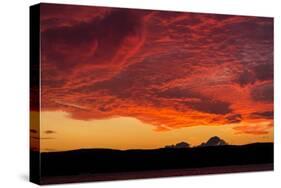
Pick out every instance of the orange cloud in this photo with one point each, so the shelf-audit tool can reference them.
(168, 69)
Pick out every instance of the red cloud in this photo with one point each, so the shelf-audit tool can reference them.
(168, 69)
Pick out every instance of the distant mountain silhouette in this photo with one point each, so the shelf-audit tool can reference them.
(179, 145)
(214, 141)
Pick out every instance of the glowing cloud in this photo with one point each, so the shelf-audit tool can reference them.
(167, 69)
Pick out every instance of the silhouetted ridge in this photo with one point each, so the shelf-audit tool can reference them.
(94, 163)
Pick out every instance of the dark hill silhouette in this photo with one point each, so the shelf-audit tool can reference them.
(107, 164)
(214, 141)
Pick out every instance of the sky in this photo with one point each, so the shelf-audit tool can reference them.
(130, 78)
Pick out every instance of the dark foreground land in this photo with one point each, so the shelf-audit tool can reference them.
(107, 164)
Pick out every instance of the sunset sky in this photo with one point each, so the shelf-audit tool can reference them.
(128, 78)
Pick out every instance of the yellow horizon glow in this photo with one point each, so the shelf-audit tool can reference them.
(128, 133)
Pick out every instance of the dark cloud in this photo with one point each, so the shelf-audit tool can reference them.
(177, 93)
(264, 115)
(107, 34)
(212, 106)
(196, 101)
(53, 16)
(264, 71)
(263, 92)
(234, 118)
(246, 77)
(260, 72)
(253, 29)
(49, 132)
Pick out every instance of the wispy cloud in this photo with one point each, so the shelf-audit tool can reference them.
(170, 70)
